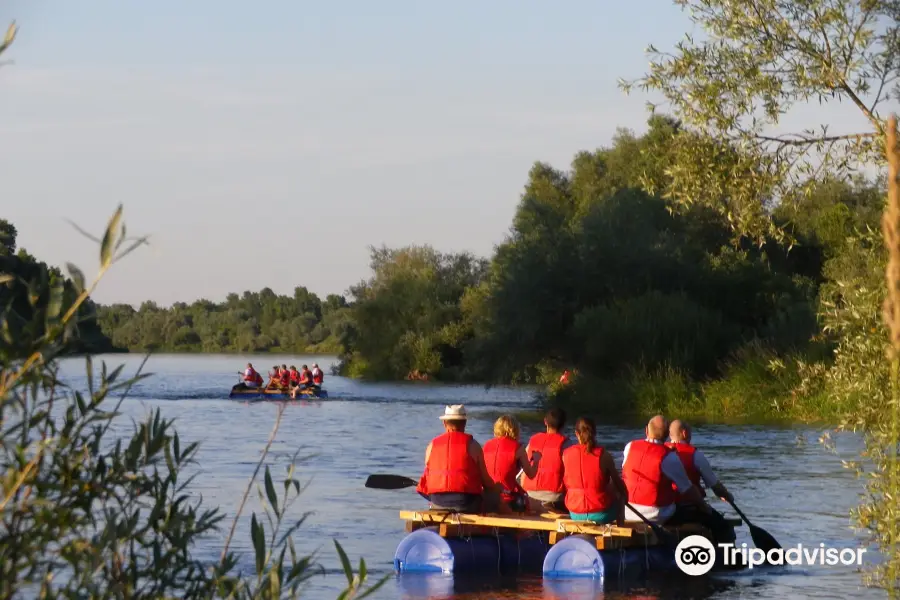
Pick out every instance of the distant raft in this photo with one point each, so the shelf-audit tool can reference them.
(244, 393)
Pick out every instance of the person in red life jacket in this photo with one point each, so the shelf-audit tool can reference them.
(698, 471)
(695, 463)
(274, 377)
(455, 476)
(504, 457)
(594, 490)
(304, 381)
(293, 376)
(318, 377)
(655, 477)
(545, 490)
(284, 377)
(251, 378)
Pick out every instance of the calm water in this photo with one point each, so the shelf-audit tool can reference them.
(782, 478)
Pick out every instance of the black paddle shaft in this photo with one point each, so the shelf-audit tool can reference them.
(661, 534)
(389, 482)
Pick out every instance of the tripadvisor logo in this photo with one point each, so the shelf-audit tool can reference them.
(696, 555)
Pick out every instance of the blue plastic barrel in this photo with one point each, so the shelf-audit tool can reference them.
(425, 551)
(577, 556)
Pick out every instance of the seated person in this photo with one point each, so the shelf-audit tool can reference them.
(251, 378)
(545, 490)
(274, 377)
(698, 471)
(455, 476)
(294, 376)
(588, 471)
(655, 476)
(504, 456)
(318, 377)
(303, 382)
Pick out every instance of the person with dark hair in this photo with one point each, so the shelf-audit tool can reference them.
(545, 489)
(588, 470)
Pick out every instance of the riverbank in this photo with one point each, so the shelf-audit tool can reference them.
(756, 391)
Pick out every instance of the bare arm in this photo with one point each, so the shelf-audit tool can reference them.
(528, 467)
(427, 452)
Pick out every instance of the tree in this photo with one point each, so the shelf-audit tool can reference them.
(8, 235)
(761, 59)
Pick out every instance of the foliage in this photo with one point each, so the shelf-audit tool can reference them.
(864, 381)
(253, 322)
(756, 61)
(406, 317)
(32, 294)
(86, 514)
(616, 280)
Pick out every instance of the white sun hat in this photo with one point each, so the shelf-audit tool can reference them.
(456, 412)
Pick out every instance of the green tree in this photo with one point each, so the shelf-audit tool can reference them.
(756, 61)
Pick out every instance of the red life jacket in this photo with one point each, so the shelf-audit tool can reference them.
(502, 466)
(295, 376)
(686, 455)
(642, 472)
(255, 377)
(450, 468)
(549, 477)
(304, 377)
(317, 377)
(284, 377)
(585, 480)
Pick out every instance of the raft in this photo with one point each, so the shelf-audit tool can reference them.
(274, 394)
(550, 543)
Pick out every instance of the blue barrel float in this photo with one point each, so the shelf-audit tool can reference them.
(425, 551)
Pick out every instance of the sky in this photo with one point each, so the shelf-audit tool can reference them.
(269, 144)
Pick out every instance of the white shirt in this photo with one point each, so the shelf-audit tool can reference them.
(316, 371)
(672, 468)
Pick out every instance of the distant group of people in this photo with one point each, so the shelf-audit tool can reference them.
(661, 480)
(286, 379)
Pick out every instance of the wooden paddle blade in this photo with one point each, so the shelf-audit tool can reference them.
(762, 539)
(389, 482)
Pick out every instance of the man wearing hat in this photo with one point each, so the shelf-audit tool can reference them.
(455, 476)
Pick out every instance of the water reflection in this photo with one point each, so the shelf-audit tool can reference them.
(416, 586)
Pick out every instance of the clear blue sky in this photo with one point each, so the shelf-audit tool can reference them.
(268, 144)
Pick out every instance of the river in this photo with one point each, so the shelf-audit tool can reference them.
(781, 477)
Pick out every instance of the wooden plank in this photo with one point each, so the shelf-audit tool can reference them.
(533, 523)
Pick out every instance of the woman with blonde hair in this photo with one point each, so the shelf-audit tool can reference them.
(588, 470)
(504, 456)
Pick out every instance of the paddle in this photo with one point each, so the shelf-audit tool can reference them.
(661, 534)
(762, 538)
(389, 482)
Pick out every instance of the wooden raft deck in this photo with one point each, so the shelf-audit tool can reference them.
(559, 526)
